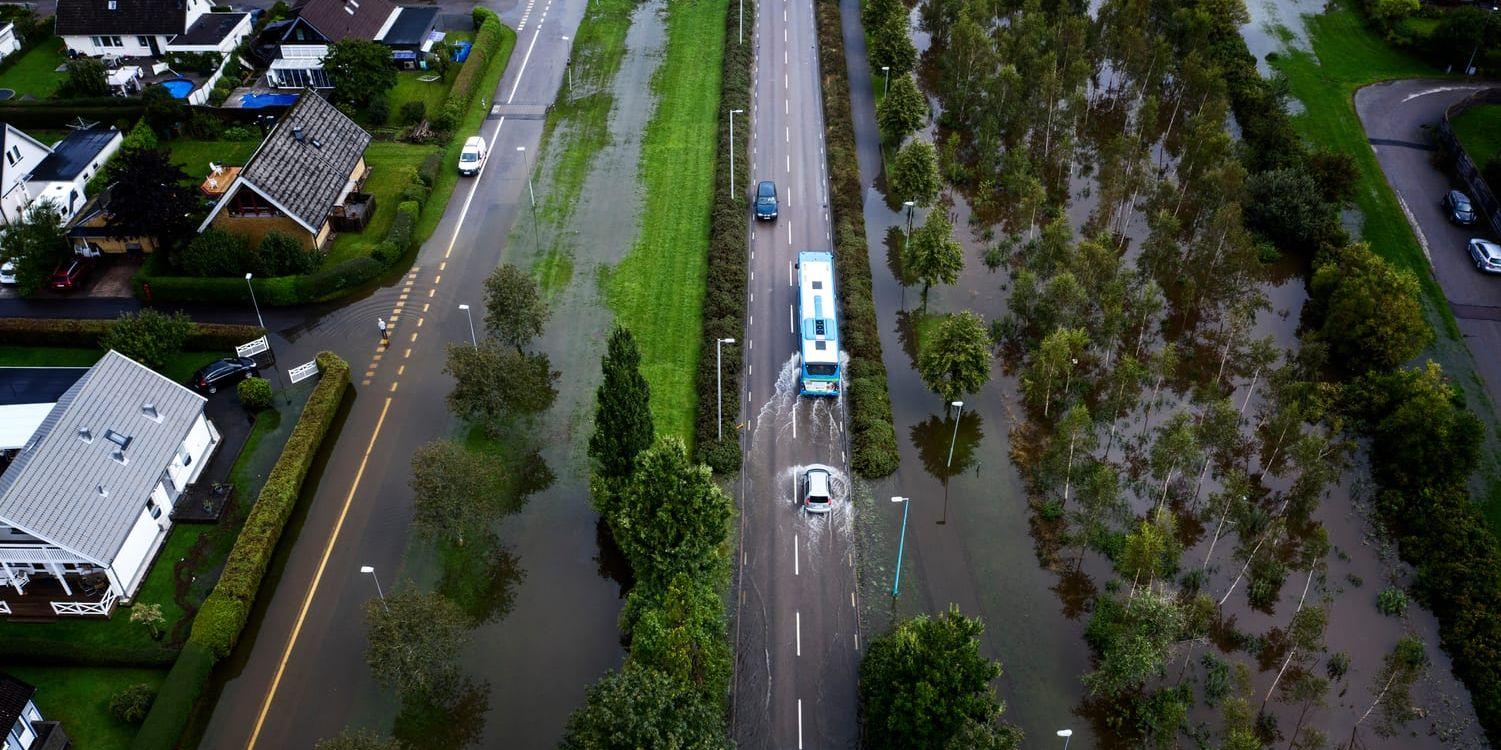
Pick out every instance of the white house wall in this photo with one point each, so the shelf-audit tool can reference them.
(130, 564)
(131, 45)
(198, 446)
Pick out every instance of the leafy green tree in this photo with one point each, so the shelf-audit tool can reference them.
(957, 360)
(680, 631)
(891, 40)
(131, 704)
(933, 256)
(1132, 640)
(623, 424)
(1422, 434)
(36, 244)
(514, 309)
(360, 71)
(139, 138)
(414, 642)
(1372, 318)
(455, 492)
(642, 708)
(280, 254)
(925, 682)
(1391, 12)
(903, 111)
(150, 197)
(494, 385)
(148, 337)
(164, 112)
(913, 173)
(83, 78)
(1287, 206)
(358, 739)
(254, 393)
(670, 517)
(215, 252)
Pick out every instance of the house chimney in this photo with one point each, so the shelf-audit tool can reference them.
(150, 411)
(297, 132)
(85, 435)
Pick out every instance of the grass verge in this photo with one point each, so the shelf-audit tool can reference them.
(1479, 129)
(79, 698)
(657, 290)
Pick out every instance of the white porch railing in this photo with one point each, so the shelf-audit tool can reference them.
(101, 607)
(4, 607)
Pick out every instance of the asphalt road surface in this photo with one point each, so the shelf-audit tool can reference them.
(1398, 118)
(304, 677)
(796, 627)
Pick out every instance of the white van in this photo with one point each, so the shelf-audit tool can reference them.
(473, 156)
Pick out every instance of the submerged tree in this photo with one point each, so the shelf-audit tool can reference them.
(495, 385)
(455, 492)
(913, 173)
(957, 359)
(933, 256)
(640, 707)
(623, 424)
(414, 642)
(514, 309)
(903, 111)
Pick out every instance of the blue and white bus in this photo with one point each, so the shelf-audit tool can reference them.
(818, 306)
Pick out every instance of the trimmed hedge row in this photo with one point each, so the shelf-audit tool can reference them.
(486, 43)
(872, 437)
(49, 331)
(725, 289)
(174, 702)
(223, 614)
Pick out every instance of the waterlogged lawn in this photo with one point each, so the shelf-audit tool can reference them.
(657, 290)
(1346, 55)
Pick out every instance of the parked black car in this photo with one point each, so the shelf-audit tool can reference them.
(766, 200)
(222, 373)
(1458, 208)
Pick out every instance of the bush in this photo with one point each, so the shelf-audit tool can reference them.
(378, 110)
(215, 253)
(1370, 313)
(255, 394)
(872, 437)
(428, 172)
(173, 706)
(1392, 601)
(724, 293)
(131, 703)
(413, 112)
(49, 331)
(281, 254)
(240, 133)
(148, 337)
(487, 43)
(337, 278)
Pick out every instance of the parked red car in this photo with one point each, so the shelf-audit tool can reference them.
(70, 274)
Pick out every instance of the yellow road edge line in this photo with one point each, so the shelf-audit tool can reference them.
(307, 601)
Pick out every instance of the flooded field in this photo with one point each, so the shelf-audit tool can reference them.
(1197, 485)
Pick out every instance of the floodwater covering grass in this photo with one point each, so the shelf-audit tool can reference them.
(1345, 56)
(657, 290)
(1479, 129)
(78, 697)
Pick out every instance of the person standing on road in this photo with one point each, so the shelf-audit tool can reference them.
(385, 334)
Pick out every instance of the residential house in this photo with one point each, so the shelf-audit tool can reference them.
(213, 32)
(295, 48)
(85, 506)
(89, 232)
(24, 725)
(27, 395)
(304, 177)
(34, 171)
(125, 28)
(9, 41)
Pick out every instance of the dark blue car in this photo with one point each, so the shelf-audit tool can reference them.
(766, 200)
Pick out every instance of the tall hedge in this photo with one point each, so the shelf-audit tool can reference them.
(873, 451)
(486, 44)
(223, 614)
(729, 242)
(174, 703)
(49, 331)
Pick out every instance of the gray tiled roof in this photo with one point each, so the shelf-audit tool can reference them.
(305, 161)
(52, 488)
(84, 17)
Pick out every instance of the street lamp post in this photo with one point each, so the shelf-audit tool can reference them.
(286, 391)
(470, 315)
(568, 66)
(532, 194)
(733, 112)
(1065, 734)
(901, 544)
(886, 87)
(742, 22)
(960, 406)
(378, 591)
(719, 379)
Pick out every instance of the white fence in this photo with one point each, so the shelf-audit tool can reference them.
(101, 607)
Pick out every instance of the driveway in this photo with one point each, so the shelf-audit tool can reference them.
(1399, 118)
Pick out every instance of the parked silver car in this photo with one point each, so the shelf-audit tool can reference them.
(1486, 255)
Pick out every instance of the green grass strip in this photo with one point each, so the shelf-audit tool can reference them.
(657, 290)
(1479, 129)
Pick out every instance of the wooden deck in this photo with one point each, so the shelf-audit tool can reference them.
(36, 603)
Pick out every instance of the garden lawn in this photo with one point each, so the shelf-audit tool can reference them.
(194, 156)
(179, 368)
(390, 163)
(1479, 129)
(36, 72)
(657, 290)
(79, 698)
(409, 89)
(1346, 55)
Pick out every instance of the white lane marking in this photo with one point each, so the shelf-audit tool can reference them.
(787, 133)
(786, 107)
(799, 724)
(790, 328)
(857, 641)
(795, 555)
(799, 633)
(750, 343)
(789, 164)
(789, 233)
(1439, 90)
(750, 369)
(791, 279)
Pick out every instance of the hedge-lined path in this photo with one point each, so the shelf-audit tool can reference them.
(299, 673)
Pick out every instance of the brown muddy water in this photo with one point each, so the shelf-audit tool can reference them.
(974, 540)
